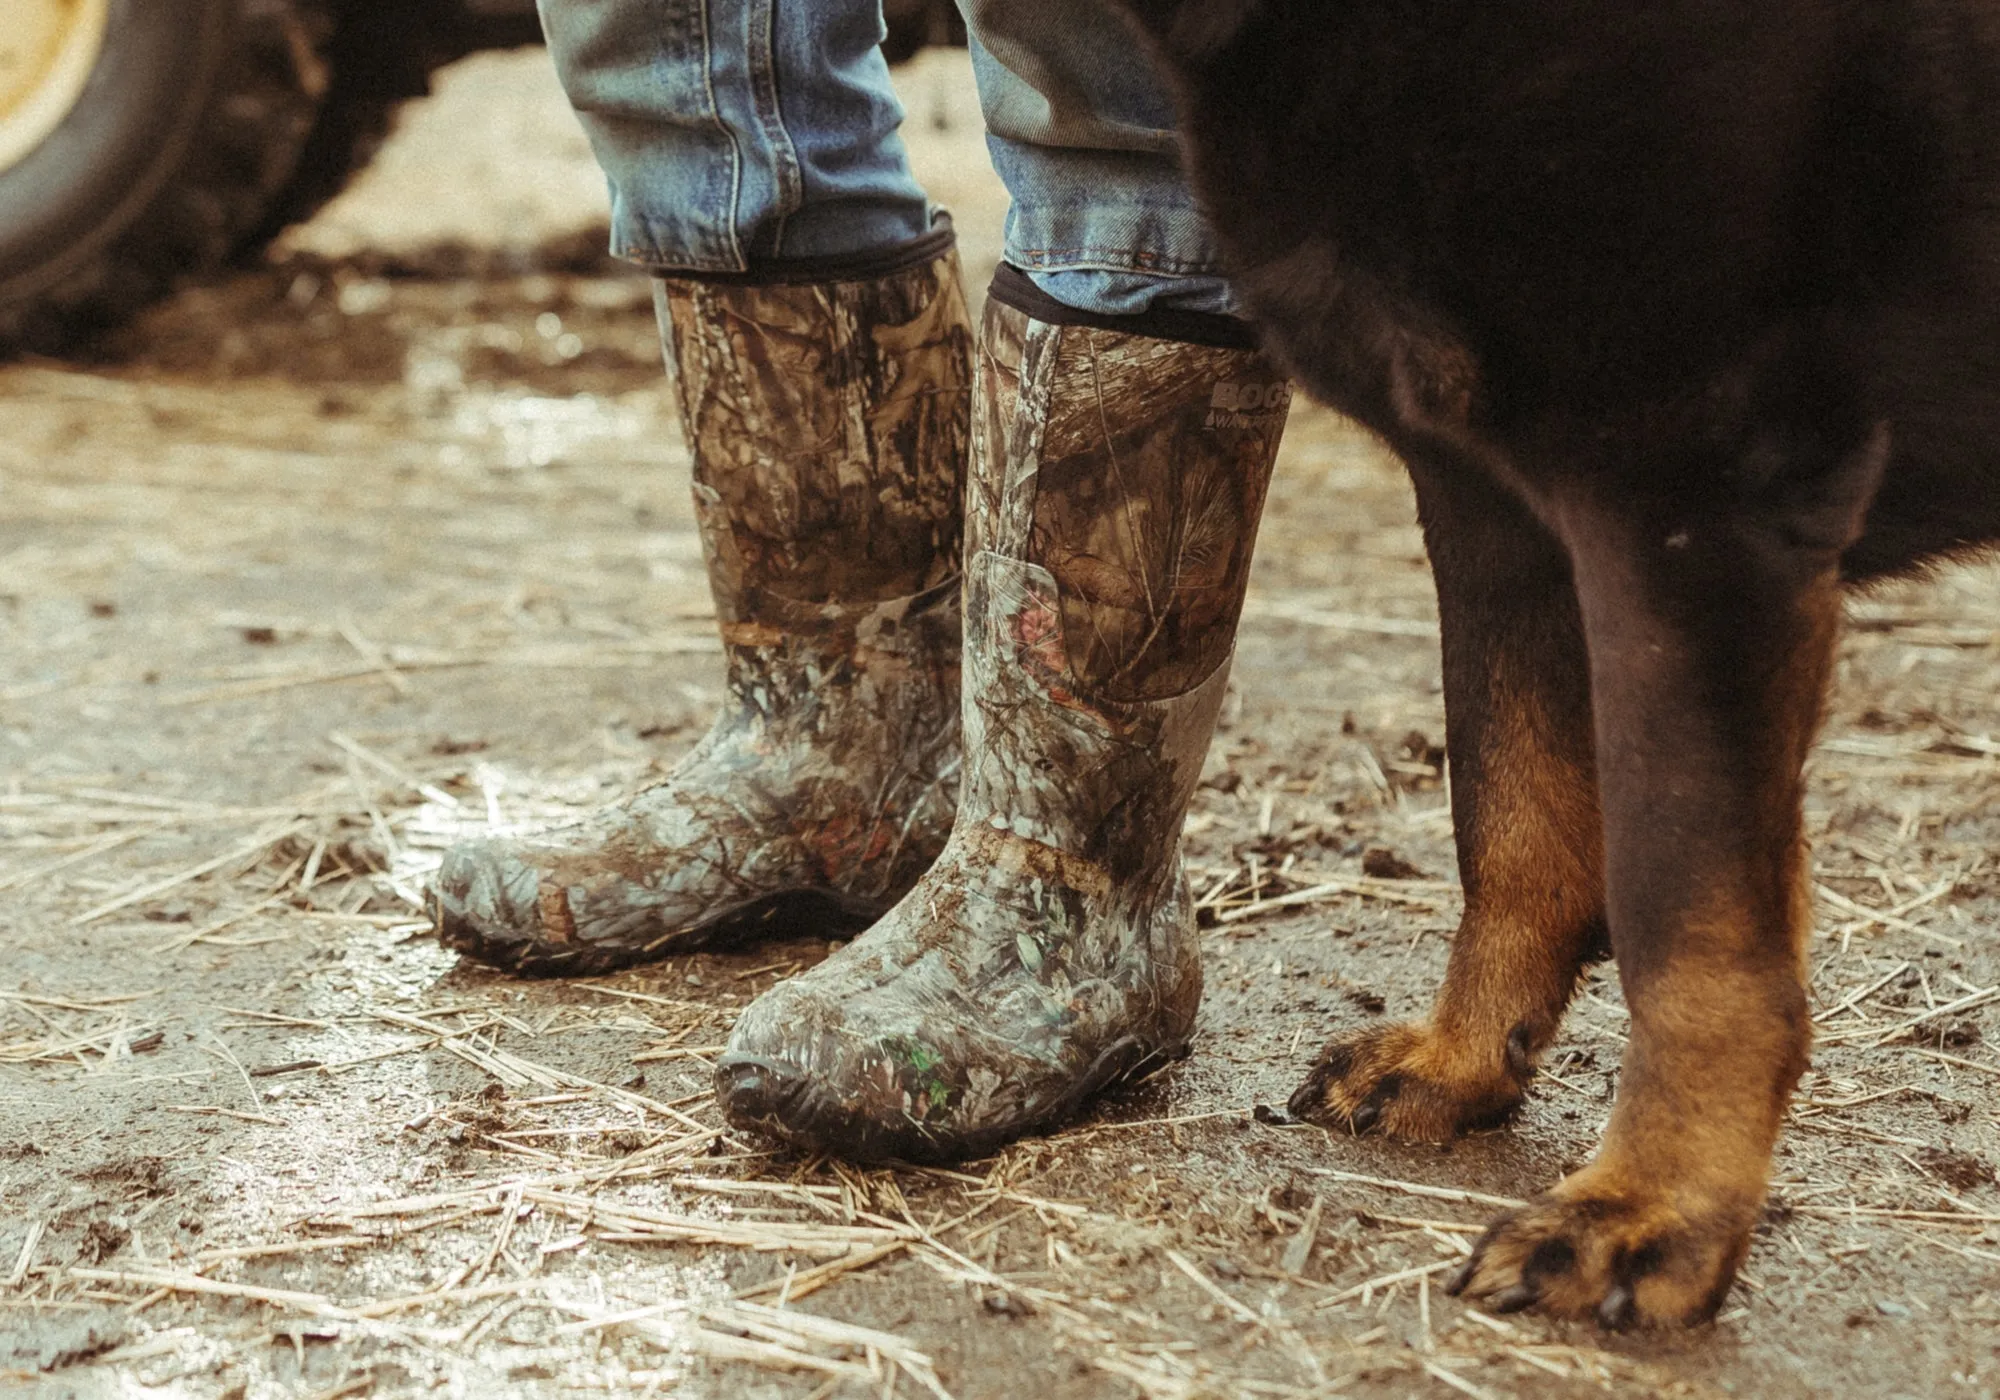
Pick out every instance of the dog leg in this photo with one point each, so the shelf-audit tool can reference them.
(1524, 808)
(1711, 617)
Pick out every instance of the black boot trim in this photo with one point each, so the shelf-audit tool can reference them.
(1013, 287)
(835, 267)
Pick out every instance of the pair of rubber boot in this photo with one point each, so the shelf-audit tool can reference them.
(988, 762)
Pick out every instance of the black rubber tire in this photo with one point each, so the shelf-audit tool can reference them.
(915, 25)
(382, 53)
(184, 142)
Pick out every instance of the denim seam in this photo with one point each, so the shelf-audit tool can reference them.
(764, 93)
(735, 146)
(1093, 259)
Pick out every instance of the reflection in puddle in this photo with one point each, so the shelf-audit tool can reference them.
(531, 431)
(370, 1126)
(536, 432)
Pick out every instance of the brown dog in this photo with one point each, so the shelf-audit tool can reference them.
(1683, 315)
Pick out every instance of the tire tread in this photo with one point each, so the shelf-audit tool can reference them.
(280, 133)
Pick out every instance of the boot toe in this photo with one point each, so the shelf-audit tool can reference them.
(762, 1095)
(776, 1098)
(799, 1068)
(852, 1077)
(486, 899)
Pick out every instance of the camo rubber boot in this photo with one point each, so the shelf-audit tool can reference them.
(827, 420)
(1116, 487)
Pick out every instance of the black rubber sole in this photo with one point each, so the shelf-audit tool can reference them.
(776, 1100)
(789, 914)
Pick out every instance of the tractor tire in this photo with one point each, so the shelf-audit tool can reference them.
(183, 141)
(915, 25)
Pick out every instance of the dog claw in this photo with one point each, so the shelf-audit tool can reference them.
(1619, 1259)
(1406, 1081)
(1463, 1279)
(1618, 1309)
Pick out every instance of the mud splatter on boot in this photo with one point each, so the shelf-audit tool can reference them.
(1117, 482)
(827, 423)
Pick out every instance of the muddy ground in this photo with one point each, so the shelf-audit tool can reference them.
(389, 539)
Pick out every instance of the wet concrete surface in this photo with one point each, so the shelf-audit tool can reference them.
(388, 539)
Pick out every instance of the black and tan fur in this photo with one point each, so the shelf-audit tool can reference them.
(1685, 316)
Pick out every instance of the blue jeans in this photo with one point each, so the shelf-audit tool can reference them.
(739, 133)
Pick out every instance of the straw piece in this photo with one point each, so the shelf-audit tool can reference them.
(1368, 1286)
(1390, 891)
(194, 1283)
(90, 852)
(1209, 1286)
(809, 1281)
(286, 1247)
(26, 1258)
(1455, 1381)
(212, 1111)
(1413, 1188)
(262, 841)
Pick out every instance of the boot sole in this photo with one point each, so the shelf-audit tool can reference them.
(790, 914)
(767, 1096)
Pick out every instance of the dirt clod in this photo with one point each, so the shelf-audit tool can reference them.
(1384, 864)
(101, 1239)
(1962, 1171)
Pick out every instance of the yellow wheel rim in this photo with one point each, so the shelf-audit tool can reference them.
(47, 51)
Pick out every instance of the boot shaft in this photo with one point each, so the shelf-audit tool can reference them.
(1133, 470)
(827, 424)
(1116, 487)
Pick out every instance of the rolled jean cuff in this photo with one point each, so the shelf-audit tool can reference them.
(1116, 257)
(865, 266)
(1114, 292)
(846, 230)
(1082, 135)
(1161, 320)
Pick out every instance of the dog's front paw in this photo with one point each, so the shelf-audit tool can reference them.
(1410, 1081)
(1616, 1250)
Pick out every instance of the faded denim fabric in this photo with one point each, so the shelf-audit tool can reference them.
(737, 132)
(1082, 135)
(733, 132)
